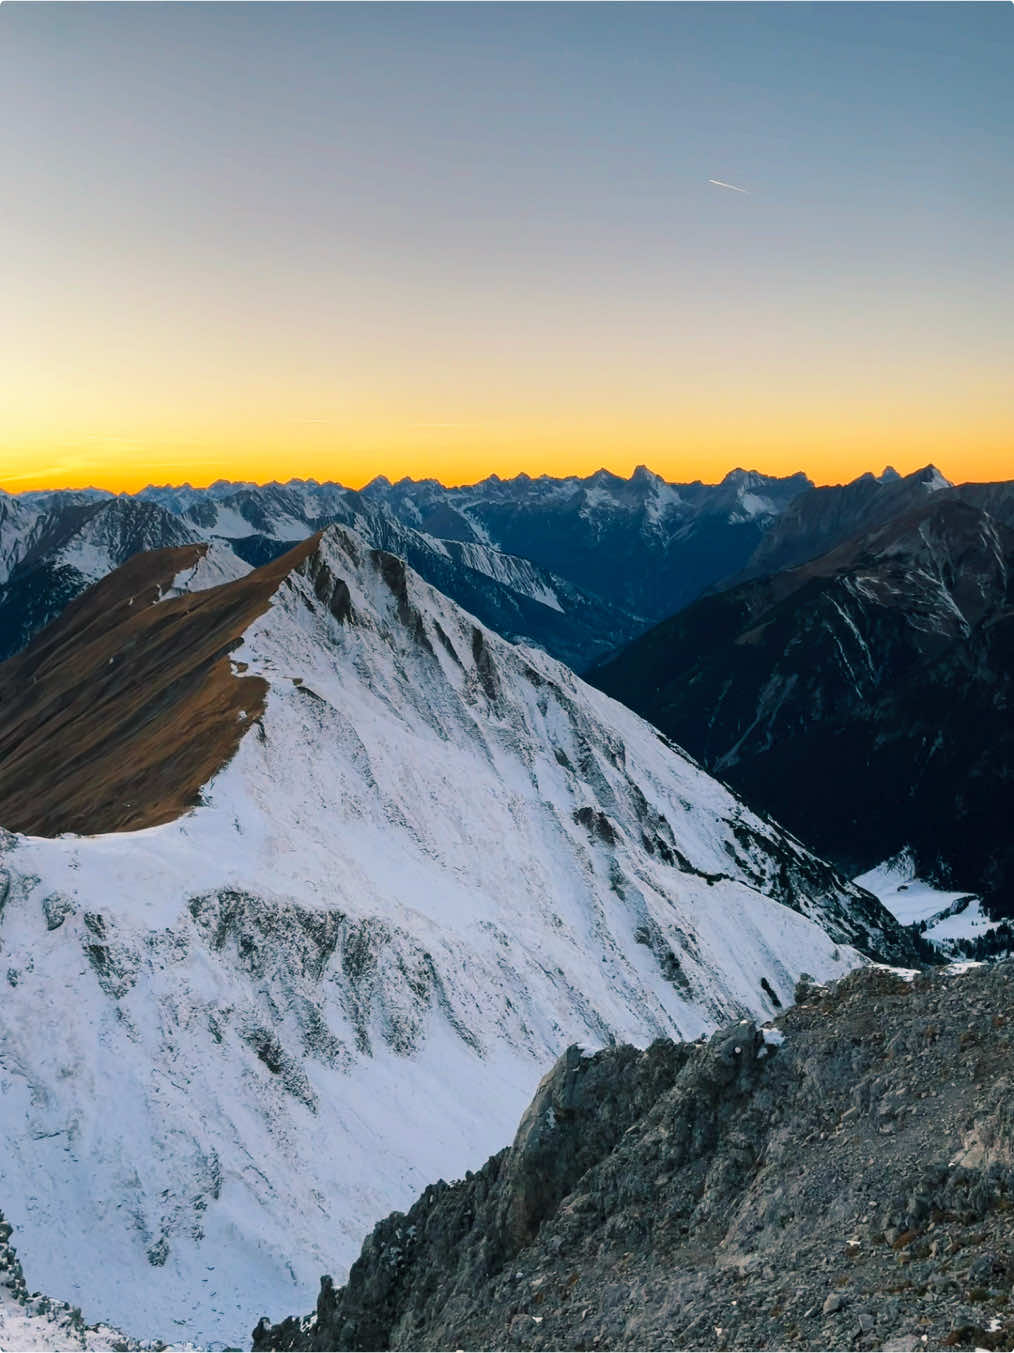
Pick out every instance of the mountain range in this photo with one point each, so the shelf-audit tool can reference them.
(307, 877)
(316, 851)
(577, 566)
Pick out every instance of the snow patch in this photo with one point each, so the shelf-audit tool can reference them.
(944, 916)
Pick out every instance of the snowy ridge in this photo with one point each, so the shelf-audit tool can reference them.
(112, 533)
(216, 565)
(233, 1042)
(520, 575)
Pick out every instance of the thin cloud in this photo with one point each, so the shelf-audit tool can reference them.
(43, 473)
(719, 184)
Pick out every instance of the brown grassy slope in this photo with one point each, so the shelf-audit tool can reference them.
(118, 712)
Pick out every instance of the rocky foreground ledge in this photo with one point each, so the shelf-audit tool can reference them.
(842, 1180)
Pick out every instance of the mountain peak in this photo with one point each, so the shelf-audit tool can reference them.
(642, 475)
(932, 478)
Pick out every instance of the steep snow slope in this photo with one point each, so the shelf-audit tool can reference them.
(228, 1044)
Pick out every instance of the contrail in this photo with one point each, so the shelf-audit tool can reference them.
(719, 184)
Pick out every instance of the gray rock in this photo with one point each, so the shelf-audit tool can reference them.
(56, 908)
(652, 1199)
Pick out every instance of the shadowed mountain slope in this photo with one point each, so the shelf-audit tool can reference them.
(863, 698)
(821, 518)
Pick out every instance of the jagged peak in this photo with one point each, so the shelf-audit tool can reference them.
(931, 477)
(643, 475)
(739, 476)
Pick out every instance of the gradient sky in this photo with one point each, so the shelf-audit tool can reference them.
(270, 240)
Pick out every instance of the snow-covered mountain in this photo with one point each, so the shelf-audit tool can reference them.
(642, 543)
(53, 546)
(519, 599)
(417, 862)
(643, 546)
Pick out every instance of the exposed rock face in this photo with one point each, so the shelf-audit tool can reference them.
(844, 1180)
(863, 698)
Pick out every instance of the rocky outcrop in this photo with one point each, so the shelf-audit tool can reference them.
(841, 1179)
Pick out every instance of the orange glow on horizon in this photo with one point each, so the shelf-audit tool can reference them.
(454, 457)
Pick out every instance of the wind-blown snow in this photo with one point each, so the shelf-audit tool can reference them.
(230, 1044)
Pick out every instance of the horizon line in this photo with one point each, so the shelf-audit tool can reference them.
(492, 476)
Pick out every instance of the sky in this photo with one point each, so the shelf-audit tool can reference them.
(262, 241)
